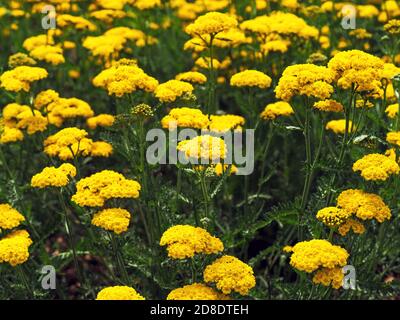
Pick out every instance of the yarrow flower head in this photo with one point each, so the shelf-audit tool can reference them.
(192, 77)
(226, 122)
(113, 219)
(21, 78)
(184, 241)
(23, 117)
(72, 142)
(363, 205)
(124, 77)
(333, 216)
(251, 78)
(230, 275)
(205, 148)
(376, 167)
(277, 109)
(14, 247)
(54, 177)
(119, 293)
(211, 23)
(393, 138)
(185, 118)
(328, 106)
(321, 257)
(9, 217)
(95, 190)
(196, 291)
(173, 89)
(339, 126)
(305, 79)
(359, 69)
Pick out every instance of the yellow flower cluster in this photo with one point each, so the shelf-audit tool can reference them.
(226, 122)
(281, 23)
(192, 77)
(184, 241)
(359, 69)
(114, 219)
(277, 109)
(119, 293)
(328, 106)
(9, 217)
(54, 177)
(339, 126)
(230, 275)
(185, 118)
(393, 26)
(305, 79)
(124, 77)
(392, 110)
(196, 291)
(393, 138)
(376, 167)
(101, 120)
(23, 117)
(80, 23)
(251, 78)
(351, 224)
(363, 205)
(108, 15)
(211, 23)
(72, 142)
(49, 54)
(95, 190)
(9, 135)
(172, 89)
(21, 78)
(14, 247)
(309, 256)
(333, 216)
(329, 277)
(204, 147)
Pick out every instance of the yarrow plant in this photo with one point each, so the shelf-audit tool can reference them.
(199, 149)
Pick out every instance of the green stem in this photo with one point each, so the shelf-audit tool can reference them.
(119, 260)
(24, 280)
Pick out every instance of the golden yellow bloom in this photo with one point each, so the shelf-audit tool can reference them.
(49, 54)
(95, 190)
(14, 248)
(80, 23)
(359, 69)
(101, 149)
(333, 216)
(351, 224)
(196, 291)
(211, 23)
(226, 122)
(185, 118)
(205, 63)
(393, 138)
(363, 205)
(393, 26)
(23, 117)
(339, 126)
(147, 4)
(230, 275)
(329, 106)
(124, 77)
(61, 109)
(171, 90)
(20, 59)
(108, 15)
(251, 78)
(9, 217)
(119, 293)
(37, 41)
(184, 241)
(44, 98)
(204, 147)
(309, 256)
(54, 177)
(329, 277)
(9, 135)
(101, 120)
(21, 78)
(114, 219)
(376, 167)
(305, 79)
(277, 109)
(392, 110)
(192, 77)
